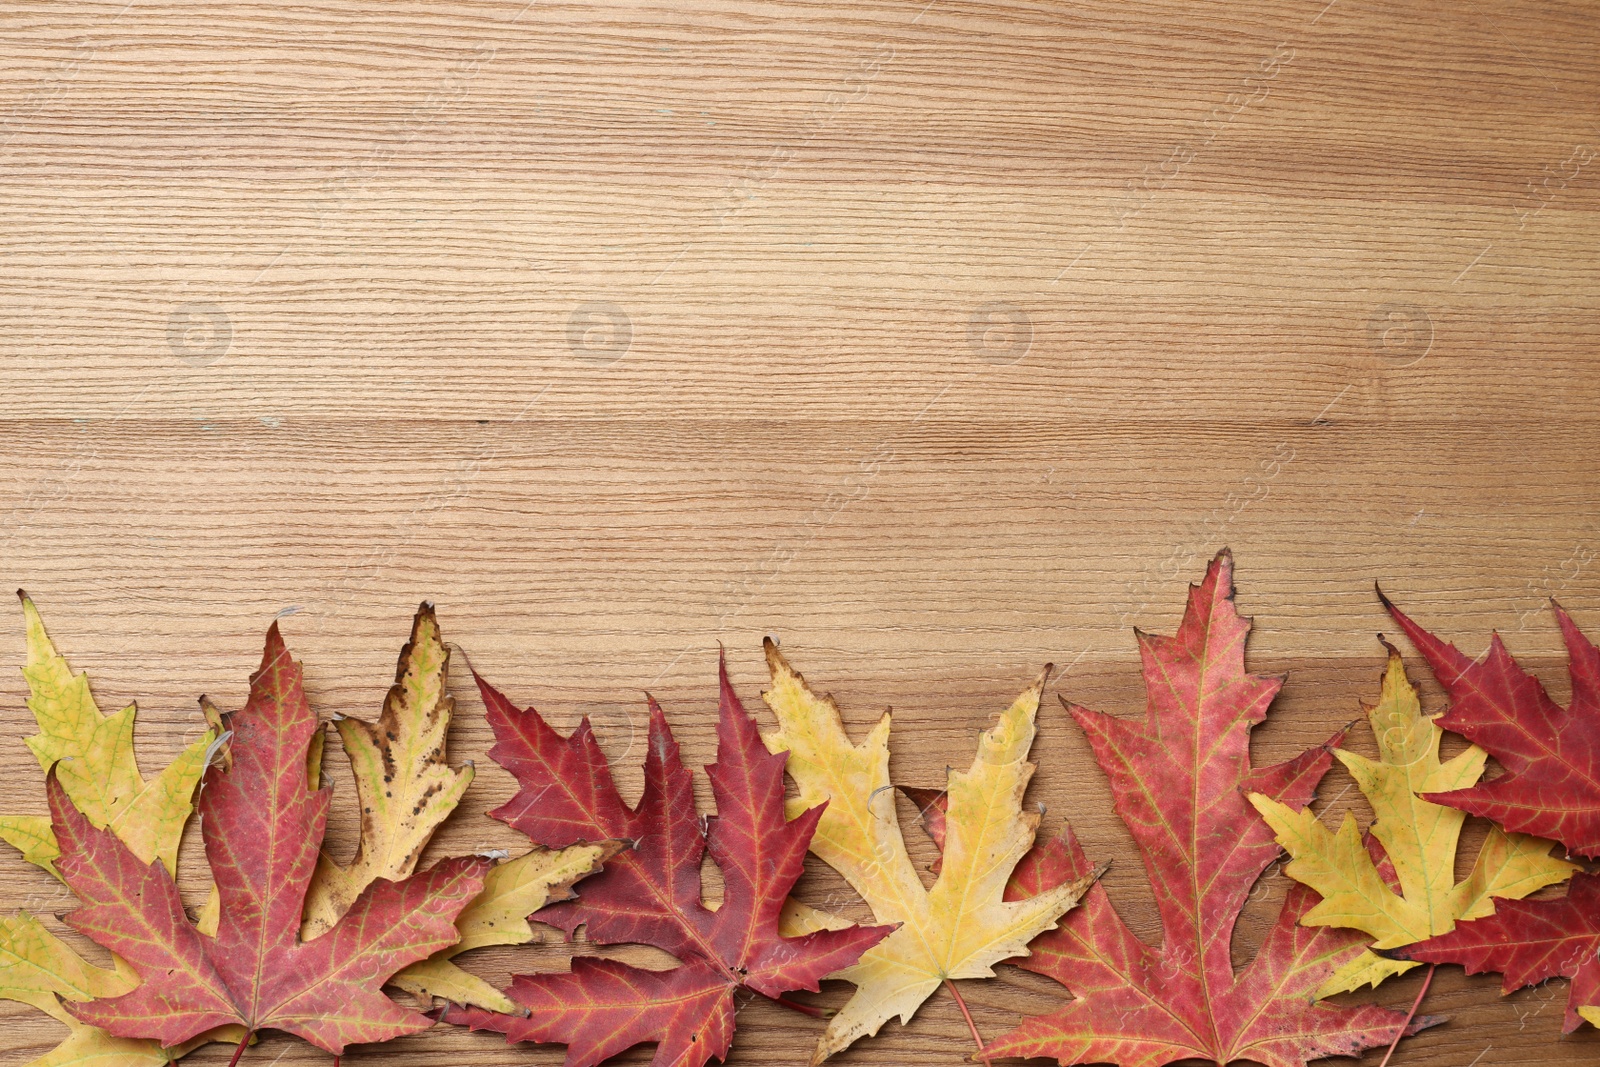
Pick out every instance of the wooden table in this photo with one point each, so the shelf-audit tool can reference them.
(941, 339)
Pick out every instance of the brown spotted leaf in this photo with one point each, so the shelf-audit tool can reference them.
(404, 784)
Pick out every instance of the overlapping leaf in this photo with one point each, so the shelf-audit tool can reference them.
(1551, 754)
(262, 827)
(36, 968)
(1178, 779)
(1417, 896)
(404, 784)
(651, 893)
(961, 927)
(97, 767)
(1531, 941)
(1551, 786)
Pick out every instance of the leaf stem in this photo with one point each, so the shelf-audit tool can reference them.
(239, 1051)
(967, 1015)
(1412, 1014)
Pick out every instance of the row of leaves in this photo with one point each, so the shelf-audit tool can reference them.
(290, 940)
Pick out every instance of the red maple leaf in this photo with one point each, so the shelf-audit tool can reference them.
(1551, 754)
(1529, 941)
(1179, 779)
(650, 894)
(262, 827)
(1551, 788)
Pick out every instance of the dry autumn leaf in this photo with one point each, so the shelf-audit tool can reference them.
(95, 762)
(651, 893)
(1551, 786)
(404, 785)
(96, 765)
(962, 926)
(262, 826)
(1551, 754)
(1416, 837)
(1532, 941)
(1178, 779)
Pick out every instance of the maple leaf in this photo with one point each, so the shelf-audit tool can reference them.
(404, 785)
(1417, 838)
(651, 894)
(961, 927)
(94, 759)
(1178, 780)
(1530, 941)
(100, 772)
(1551, 754)
(262, 826)
(1551, 787)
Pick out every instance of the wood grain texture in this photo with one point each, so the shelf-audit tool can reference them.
(940, 339)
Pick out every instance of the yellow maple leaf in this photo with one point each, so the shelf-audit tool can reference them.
(94, 759)
(1419, 839)
(499, 916)
(403, 783)
(962, 926)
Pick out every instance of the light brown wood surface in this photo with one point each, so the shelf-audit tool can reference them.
(958, 335)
